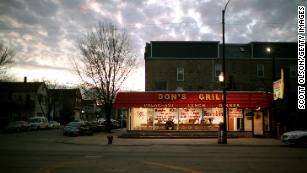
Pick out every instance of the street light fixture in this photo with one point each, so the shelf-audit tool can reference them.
(221, 77)
(224, 140)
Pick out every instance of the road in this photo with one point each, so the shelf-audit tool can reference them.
(45, 152)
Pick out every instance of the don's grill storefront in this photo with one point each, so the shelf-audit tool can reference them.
(247, 112)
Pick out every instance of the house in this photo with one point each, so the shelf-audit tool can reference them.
(66, 105)
(89, 110)
(21, 100)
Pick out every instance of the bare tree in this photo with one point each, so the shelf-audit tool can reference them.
(106, 62)
(6, 59)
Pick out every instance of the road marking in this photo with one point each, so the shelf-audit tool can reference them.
(92, 157)
(174, 167)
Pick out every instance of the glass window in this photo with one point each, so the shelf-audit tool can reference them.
(141, 119)
(180, 74)
(260, 70)
(162, 116)
(190, 115)
(217, 70)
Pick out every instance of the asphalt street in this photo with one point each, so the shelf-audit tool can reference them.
(50, 151)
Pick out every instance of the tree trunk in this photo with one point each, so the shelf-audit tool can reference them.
(108, 113)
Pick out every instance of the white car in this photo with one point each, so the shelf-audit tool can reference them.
(54, 125)
(37, 123)
(295, 137)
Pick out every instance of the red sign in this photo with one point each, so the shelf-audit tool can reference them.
(235, 99)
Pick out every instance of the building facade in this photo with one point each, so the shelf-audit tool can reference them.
(178, 67)
(66, 105)
(195, 66)
(89, 110)
(22, 100)
(248, 112)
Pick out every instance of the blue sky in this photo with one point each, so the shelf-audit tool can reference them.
(44, 33)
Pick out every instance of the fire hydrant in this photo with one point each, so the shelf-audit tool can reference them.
(110, 139)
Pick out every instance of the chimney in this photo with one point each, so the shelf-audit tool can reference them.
(25, 79)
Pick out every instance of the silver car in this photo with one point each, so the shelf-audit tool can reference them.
(295, 137)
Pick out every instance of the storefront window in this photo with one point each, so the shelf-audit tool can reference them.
(190, 118)
(164, 115)
(207, 119)
(212, 118)
(141, 119)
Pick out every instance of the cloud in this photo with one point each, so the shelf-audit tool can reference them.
(44, 33)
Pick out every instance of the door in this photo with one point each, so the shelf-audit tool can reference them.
(258, 123)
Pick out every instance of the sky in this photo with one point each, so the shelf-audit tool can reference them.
(45, 33)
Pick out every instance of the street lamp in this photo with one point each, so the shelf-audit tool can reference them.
(274, 124)
(224, 76)
(221, 77)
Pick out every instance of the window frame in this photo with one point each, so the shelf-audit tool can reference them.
(260, 68)
(180, 71)
(217, 67)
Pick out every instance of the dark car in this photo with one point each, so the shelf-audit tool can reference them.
(77, 129)
(17, 126)
(96, 126)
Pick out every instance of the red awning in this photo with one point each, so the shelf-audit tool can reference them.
(238, 99)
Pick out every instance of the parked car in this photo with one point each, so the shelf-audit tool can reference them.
(38, 123)
(96, 126)
(54, 125)
(77, 128)
(115, 123)
(295, 137)
(102, 121)
(17, 126)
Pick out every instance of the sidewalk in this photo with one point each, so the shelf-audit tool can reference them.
(101, 139)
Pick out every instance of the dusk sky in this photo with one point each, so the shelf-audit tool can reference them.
(44, 33)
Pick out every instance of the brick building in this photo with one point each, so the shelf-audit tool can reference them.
(195, 66)
(183, 91)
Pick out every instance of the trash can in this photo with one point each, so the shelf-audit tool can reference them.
(221, 133)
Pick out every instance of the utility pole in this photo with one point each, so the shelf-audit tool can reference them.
(224, 83)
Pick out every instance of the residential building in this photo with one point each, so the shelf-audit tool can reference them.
(21, 100)
(89, 110)
(66, 105)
